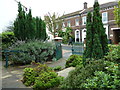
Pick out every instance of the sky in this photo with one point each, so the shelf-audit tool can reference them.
(8, 8)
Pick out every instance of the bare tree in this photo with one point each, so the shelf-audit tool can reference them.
(53, 22)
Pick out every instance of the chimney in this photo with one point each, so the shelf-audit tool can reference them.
(85, 5)
(96, 0)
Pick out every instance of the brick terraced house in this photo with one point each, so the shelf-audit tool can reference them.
(77, 21)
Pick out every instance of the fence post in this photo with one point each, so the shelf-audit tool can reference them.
(6, 56)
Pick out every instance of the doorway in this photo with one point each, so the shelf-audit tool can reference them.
(116, 36)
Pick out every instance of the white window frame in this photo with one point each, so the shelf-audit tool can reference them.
(77, 22)
(63, 25)
(106, 30)
(68, 23)
(105, 17)
(57, 26)
(84, 19)
(77, 35)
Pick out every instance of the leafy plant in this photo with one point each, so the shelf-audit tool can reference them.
(114, 53)
(80, 74)
(96, 74)
(47, 80)
(30, 74)
(8, 38)
(65, 35)
(41, 77)
(32, 51)
(74, 60)
(108, 79)
(57, 68)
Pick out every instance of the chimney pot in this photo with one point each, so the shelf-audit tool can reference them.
(85, 5)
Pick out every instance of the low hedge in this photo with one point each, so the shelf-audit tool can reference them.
(32, 51)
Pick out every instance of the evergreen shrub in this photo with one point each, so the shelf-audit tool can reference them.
(105, 79)
(30, 74)
(8, 38)
(57, 68)
(114, 53)
(96, 74)
(47, 80)
(32, 51)
(41, 77)
(73, 61)
(80, 74)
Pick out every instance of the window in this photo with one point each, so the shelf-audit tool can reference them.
(77, 34)
(104, 17)
(84, 20)
(68, 23)
(77, 22)
(57, 26)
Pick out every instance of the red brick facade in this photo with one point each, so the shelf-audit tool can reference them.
(107, 7)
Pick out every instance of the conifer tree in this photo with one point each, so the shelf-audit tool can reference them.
(30, 28)
(96, 39)
(19, 24)
(37, 31)
(89, 37)
(99, 29)
(44, 30)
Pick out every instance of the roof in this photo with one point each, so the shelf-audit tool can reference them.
(71, 14)
(102, 6)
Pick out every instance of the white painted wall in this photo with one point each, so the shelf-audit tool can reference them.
(106, 30)
(51, 37)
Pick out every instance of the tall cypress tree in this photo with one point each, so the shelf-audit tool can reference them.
(27, 27)
(44, 30)
(31, 29)
(97, 45)
(99, 29)
(96, 39)
(89, 37)
(19, 24)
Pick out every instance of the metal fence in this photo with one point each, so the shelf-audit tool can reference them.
(78, 48)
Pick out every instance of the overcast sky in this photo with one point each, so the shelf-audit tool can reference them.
(8, 8)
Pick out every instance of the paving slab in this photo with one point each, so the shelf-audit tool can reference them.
(64, 73)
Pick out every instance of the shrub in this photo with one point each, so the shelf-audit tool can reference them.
(47, 80)
(109, 79)
(114, 54)
(96, 74)
(74, 60)
(30, 74)
(41, 77)
(57, 68)
(8, 38)
(32, 51)
(80, 74)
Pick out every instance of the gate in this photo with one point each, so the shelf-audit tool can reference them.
(58, 50)
(78, 48)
